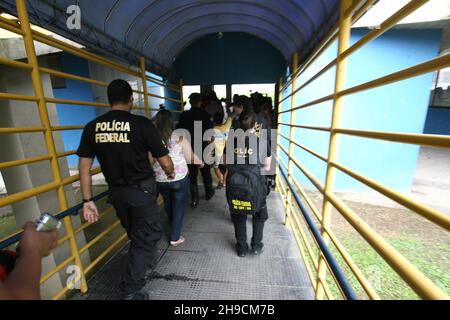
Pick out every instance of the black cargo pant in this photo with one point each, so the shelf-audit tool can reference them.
(140, 216)
(206, 175)
(240, 229)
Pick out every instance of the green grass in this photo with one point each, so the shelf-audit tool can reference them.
(7, 225)
(431, 261)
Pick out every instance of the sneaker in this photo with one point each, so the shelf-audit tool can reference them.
(178, 242)
(241, 252)
(220, 186)
(257, 252)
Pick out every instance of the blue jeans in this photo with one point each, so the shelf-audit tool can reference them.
(175, 195)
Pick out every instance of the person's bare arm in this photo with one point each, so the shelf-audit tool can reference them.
(90, 211)
(267, 163)
(23, 282)
(151, 159)
(189, 155)
(167, 165)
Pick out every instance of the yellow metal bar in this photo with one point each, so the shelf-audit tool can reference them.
(65, 75)
(10, 25)
(14, 63)
(353, 7)
(170, 86)
(64, 128)
(291, 129)
(88, 224)
(341, 68)
(341, 249)
(305, 148)
(362, 10)
(312, 103)
(22, 195)
(331, 37)
(76, 177)
(14, 163)
(306, 127)
(164, 98)
(280, 94)
(61, 293)
(53, 42)
(385, 26)
(105, 252)
(63, 239)
(78, 102)
(144, 87)
(11, 235)
(181, 96)
(299, 242)
(412, 6)
(22, 130)
(430, 140)
(365, 284)
(441, 219)
(56, 269)
(45, 121)
(65, 154)
(99, 236)
(18, 97)
(316, 182)
(423, 286)
(297, 223)
(432, 65)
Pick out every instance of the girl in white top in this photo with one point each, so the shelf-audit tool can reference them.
(174, 191)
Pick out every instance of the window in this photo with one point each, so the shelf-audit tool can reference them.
(187, 90)
(440, 94)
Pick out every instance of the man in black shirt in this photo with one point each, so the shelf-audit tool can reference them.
(121, 142)
(188, 119)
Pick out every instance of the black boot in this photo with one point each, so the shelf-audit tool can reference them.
(194, 196)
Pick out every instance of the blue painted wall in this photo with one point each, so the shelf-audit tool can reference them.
(236, 58)
(73, 114)
(438, 121)
(400, 107)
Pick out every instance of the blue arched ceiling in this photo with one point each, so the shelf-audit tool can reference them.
(160, 29)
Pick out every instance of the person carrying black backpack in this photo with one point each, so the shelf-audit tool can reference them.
(248, 158)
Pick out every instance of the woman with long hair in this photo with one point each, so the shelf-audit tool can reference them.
(175, 191)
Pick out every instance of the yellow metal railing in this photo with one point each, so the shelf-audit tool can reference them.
(22, 27)
(317, 268)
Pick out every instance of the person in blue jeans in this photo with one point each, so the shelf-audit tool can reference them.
(174, 191)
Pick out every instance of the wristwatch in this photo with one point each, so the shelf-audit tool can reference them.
(87, 200)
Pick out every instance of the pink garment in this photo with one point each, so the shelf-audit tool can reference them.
(179, 163)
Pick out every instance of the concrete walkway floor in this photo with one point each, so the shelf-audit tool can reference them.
(207, 267)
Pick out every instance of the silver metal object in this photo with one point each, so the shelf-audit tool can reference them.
(47, 222)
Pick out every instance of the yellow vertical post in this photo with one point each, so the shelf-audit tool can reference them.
(181, 96)
(345, 24)
(144, 87)
(48, 136)
(291, 128)
(280, 94)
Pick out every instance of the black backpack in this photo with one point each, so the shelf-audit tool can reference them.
(246, 190)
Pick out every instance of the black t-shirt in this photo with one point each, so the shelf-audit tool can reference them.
(121, 141)
(187, 120)
(247, 150)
